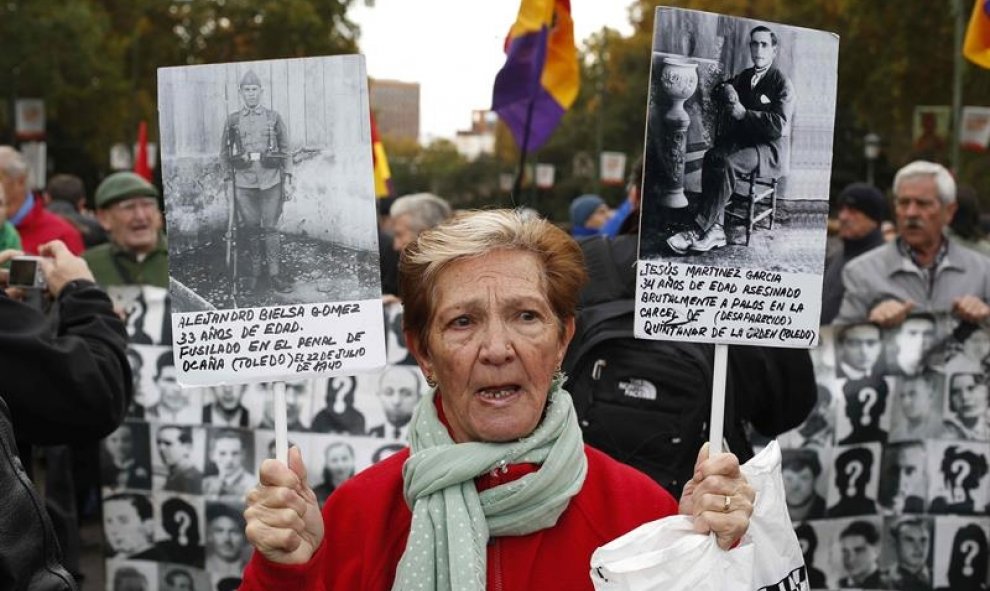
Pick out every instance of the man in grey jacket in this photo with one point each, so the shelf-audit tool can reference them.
(923, 270)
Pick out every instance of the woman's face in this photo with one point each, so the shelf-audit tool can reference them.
(494, 344)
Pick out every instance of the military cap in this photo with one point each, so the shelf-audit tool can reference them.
(123, 185)
(250, 78)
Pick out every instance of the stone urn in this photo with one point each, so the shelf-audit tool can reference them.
(678, 82)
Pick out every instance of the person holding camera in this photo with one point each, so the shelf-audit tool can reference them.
(66, 380)
(254, 153)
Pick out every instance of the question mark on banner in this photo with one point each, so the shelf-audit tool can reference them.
(868, 398)
(960, 469)
(970, 549)
(184, 520)
(853, 470)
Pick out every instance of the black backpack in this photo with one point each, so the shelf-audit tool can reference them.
(645, 403)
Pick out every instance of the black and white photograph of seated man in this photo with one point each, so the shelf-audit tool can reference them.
(725, 182)
(266, 198)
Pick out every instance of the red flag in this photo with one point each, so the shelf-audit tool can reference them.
(141, 158)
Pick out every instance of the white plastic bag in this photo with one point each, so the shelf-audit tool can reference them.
(668, 555)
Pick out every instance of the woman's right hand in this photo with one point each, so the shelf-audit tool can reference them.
(283, 516)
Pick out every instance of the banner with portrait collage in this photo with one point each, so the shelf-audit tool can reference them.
(887, 480)
(174, 475)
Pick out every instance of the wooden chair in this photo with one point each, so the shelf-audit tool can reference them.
(754, 198)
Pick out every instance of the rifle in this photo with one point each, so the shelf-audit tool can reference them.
(231, 237)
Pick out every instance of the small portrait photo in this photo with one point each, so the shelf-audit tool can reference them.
(968, 349)
(169, 402)
(336, 461)
(906, 558)
(298, 405)
(930, 131)
(141, 378)
(859, 349)
(967, 407)
(146, 310)
(917, 405)
(863, 410)
(182, 578)
(958, 477)
(227, 548)
(336, 412)
(812, 538)
(180, 531)
(230, 463)
(178, 465)
(398, 391)
(264, 445)
(386, 450)
(904, 478)
(961, 554)
(127, 575)
(855, 559)
(129, 526)
(223, 406)
(125, 457)
(855, 479)
(907, 346)
(818, 430)
(805, 483)
(396, 352)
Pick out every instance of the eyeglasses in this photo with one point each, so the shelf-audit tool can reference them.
(135, 204)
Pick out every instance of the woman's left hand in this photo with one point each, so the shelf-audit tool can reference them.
(719, 497)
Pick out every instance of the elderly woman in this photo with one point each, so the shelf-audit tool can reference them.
(497, 490)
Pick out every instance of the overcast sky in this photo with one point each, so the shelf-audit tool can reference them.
(453, 48)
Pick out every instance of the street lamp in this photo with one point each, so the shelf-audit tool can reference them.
(871, 150)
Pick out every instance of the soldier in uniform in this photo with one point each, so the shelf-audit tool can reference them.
(255, 154)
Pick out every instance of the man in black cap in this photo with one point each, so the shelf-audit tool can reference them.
(255, 154)
(862, 208)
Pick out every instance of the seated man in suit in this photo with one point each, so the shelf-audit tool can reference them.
(753, 136)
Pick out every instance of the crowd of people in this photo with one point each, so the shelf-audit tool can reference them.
(490, 301)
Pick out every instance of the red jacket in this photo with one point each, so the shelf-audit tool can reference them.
(41, 226)
(367, 522)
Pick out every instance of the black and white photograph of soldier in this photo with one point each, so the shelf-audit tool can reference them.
(962, 554)
(855, 478)
(180, 532)
(959, 481)
(724, 181)
(267, 175)
(967, 413)
(904, 478)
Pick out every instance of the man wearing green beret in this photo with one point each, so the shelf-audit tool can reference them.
(255, 154)
(137, 254)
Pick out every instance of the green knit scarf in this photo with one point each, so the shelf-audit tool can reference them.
(452, 521)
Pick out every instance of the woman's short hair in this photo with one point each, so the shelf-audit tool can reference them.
(474, 234)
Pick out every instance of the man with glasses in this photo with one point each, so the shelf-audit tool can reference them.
(923, 270)
(137, 254)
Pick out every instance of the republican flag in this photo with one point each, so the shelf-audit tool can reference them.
(141, 157)
(383, 174)
(976, 47)
(540, 78)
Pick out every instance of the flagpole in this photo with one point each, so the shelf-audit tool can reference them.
(957, 81)
(517, 186)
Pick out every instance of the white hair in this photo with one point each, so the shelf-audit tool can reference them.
(12, 164)
(425, 210)
(944, 183)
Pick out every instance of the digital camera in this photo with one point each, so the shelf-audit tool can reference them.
(26, 273)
